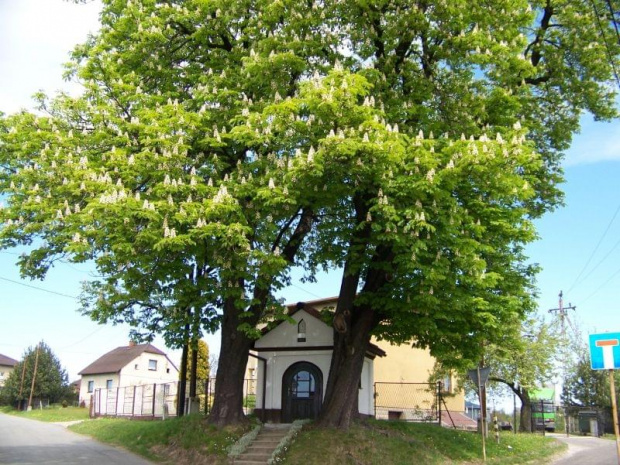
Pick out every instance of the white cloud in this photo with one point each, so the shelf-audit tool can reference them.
(36, 37)
(597, 142)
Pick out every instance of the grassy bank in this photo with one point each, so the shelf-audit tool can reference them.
(186, 440)
(189, 440)
(403, 443)
(54, 413)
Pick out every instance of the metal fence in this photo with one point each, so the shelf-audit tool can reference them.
(249, 395)
(145, 400)
(418, 402)
(160, 400)
(593, 421)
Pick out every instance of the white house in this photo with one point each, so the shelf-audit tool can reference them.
(293, 366)
(132, 365)
(7, 364)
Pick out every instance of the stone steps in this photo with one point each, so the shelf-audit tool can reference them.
(259, 452)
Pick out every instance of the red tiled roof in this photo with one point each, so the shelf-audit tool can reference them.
(7, 361)
(116, 359)
(457, 420)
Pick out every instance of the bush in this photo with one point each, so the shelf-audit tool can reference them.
(64, 404)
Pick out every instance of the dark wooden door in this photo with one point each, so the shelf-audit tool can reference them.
(302, 392)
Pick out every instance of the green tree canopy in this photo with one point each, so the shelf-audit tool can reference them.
(585, 387)
(523, 360)
(51, 381)
(217, 144)
(203, 368)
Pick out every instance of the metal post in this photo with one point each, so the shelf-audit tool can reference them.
(496, 427)
(482, 415)
(514, 413)
(374, 398)
(439, 399)
(133, 402)
(542, 415)
(207, 396)
(614, 410)
(154, 389)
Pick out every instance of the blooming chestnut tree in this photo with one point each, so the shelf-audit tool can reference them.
(218, 144)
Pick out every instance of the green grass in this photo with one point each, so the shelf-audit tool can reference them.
(53, 413)
(381, 442)
(250, 401)
(177, 440)
(190, 440)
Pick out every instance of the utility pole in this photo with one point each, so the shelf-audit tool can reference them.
(562, 311)
(34, 376)
(21, 385)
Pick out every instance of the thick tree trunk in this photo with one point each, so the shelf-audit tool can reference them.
(339, 405)
(193, 375)
(341, 396)
(194, 370)
(525, 416)
(353, 324)
(182, 382)
(235, 345)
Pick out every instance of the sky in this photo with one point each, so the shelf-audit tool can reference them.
(578, 250)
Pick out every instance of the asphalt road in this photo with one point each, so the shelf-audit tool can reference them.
(33, 442)
(586, 450)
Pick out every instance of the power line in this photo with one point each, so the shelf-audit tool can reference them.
(38, 288)
(610, 57)
(603, 285)
(605, 257)
(595, 249)
(307, 291)
(613, 19)
(63, 262)
(83, 339)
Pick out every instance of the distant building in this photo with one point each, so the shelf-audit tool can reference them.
(75, 386)
(472, 410)
(132, 365)
(7, 364)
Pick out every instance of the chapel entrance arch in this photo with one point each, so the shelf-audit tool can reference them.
(302, 392)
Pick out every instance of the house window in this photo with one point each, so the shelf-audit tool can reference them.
(135, 367)
(446, 384)
(108, 384)
(301, 331)
(153, 365)
(91, 386)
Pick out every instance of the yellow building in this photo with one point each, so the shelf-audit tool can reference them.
(397, 376)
